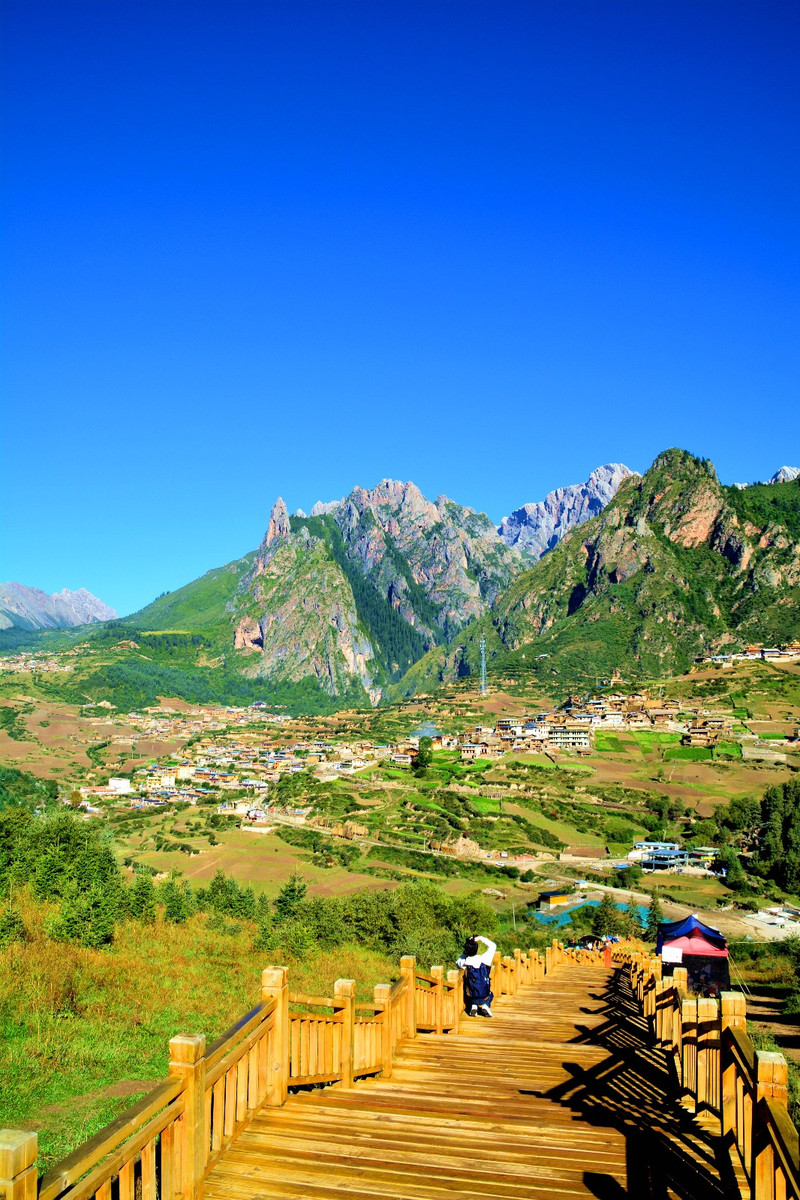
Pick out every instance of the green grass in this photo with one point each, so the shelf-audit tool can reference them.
(688, 754)
(608, 742)
(728, 750)
(77, 1023)
(650, 738)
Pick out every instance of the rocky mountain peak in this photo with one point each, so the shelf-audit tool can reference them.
(321, 508)
(785, 475)
(279, 526)
(29, 608)
(537, 527)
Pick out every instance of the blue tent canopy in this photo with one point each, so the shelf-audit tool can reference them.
(669, 930)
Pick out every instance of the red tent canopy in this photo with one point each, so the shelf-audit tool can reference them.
(695, 943)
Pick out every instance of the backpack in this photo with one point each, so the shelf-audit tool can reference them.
(477, 982)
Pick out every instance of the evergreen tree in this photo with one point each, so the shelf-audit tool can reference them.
(606, 917)
(423, 756)
(263, 939)
(290, 896)
(68, 925)
(86, 918)
(263, 910)
(49, 874)
(100, 916)
(632, 924)
(177, 903)
(142, 899)
(12, 926)
(655, 916)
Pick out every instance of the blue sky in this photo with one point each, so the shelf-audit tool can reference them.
(256, 249)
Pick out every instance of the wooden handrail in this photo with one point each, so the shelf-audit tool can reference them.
(311, 1001)
(783, 1138)
(721, 1073)
(213, 1091)
(237, 1032)
(421, 977)
(139, 1125)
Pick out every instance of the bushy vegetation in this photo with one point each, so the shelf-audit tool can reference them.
(778, 846)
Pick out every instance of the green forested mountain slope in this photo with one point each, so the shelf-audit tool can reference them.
(675, 566)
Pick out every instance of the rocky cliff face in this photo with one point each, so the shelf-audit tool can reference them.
(438, 564)
(24, 607)
(359, 590)
(676, 565)
(537, 528)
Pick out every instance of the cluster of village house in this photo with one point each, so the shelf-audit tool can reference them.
(17, 663)
(788, 653)
(209, 763)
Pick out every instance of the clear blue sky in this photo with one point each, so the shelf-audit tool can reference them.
(256, 249)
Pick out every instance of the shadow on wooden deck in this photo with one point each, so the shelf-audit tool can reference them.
(669, 1156)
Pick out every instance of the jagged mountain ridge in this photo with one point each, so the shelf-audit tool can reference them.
(363, 587)
(538, 527)
(675, 565)
(28, 608)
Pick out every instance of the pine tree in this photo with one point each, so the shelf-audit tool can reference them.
(71, 919)
(100, 917)
(172, 894)
(142, 899)
(655, 916)
(12, 926)
(290, 896)
(48, 876)
(632, 922)
(606, 918)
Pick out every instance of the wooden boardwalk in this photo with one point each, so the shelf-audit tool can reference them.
(560, 1094)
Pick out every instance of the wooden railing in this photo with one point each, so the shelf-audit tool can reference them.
(724, 1080)
(163, 1147)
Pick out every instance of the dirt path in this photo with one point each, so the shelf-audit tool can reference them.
(764, 1009)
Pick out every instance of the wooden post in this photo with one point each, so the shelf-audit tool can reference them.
(496, 975)
(275, 986)
(187, 1062)
(680, 980)
(344, 992)
(689, 1050)
(548, 960)
(708, 1054)
(517, 970)
(772, 1077)
(533, 960)
(437, 974)
(408, 969)
(453, 978)
(733, 1007)
(381, 995)
(18, 1174)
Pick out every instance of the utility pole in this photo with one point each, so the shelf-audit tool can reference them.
(483, 665)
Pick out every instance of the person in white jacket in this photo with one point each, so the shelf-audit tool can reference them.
(477, 968)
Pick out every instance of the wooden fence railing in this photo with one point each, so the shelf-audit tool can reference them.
(163, 1147)
(724, 1080)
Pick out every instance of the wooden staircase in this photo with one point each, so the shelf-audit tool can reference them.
(556, 1095)
(589, 1080)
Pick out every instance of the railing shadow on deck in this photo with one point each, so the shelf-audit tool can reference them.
(633, 1091)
